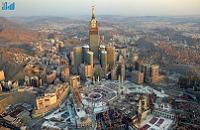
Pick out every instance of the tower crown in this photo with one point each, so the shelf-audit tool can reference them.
(93, 22)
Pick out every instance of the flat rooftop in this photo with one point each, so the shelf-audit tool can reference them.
(134, 88)
(156, 123)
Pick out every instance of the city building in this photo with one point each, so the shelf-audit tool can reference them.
(121, 71)
(151, 72)
(72, 58)
(85, 50)
(75, 85)
(103, 60)
(163, 109)
(46, 100)
(137, 77)
(2, 76)
(67, 73)
(88, 71)
(139, 65)
(51, 77)
(78, 56)
(114, 73)
(33, 81)
(75, 81)
(111, 55)
(51, 99)
(155, 73)
(147, 73)
(94, 38)
(89, 58)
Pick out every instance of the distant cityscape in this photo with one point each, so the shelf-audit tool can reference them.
(115, 73)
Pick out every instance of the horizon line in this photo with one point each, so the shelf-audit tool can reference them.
(64, 16)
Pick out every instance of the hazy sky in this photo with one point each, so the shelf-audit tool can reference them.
(103, 7)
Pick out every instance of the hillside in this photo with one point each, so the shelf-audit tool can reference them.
(11, 32)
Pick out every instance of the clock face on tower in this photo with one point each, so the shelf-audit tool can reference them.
(93, 23)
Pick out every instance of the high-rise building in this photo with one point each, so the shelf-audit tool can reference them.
(110, 55)
(140, 107)
(88, 71)
(139, 65)
(2, 76)
(85, 50)
(122, 72)
(94, 38)
(78, 56)
(67, 73)
(137, 77)
(151, 72)
(146, 102)
(89, 58)
(101, 48)
(71, 57)
(155, 73)
(114, 73)
(103, 60)
(147, 73)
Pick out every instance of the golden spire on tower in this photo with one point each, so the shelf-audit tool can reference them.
(93, 15)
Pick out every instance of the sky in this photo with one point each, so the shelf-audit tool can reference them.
(104, 7)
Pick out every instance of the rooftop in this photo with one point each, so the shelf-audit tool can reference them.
(134, 88)
(156, 123)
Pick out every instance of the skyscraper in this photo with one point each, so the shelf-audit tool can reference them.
(89, 58)
(78, 56)
(147, 73)
(103, 60)
(67, 73)
(2, 76)
(94, 38)
(139, 65)
(137, 77)
(85, 50)
(155, 73)
(71, 57)
(88, 71)
(110, 55)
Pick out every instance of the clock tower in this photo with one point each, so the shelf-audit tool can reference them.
(94, 38)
